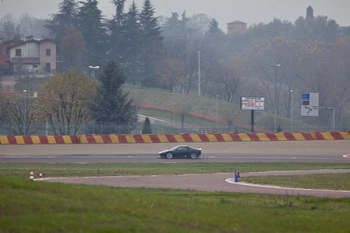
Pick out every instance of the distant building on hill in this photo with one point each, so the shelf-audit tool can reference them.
(236, 27)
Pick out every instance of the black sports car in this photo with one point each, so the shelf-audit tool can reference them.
(181, 151)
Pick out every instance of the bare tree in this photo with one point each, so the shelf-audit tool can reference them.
(4, 105)
(73, 49)
(64, 101)
(231, 76)
(21, 119)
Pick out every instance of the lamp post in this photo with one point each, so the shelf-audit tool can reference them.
(291, 110)
(217, 110)
(275, 100)
(94, 68)
(199, 73)
(25, 113)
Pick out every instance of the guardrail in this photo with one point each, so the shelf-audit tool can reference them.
(173, 138)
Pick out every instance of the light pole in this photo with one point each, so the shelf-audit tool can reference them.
(217, 110)
(291, 110)
(94, 68)
(199, 73)
(25, 113)
(275, 100)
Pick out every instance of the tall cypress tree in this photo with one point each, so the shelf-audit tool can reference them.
(112, 105)
(146, 129)
(115, 26)
(61, 22)
(93, 31)
(132, 40)
(64, 19)
(151, 42)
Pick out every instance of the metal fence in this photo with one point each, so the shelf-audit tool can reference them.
(162, 127)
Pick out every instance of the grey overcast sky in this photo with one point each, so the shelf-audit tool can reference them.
(224, 11)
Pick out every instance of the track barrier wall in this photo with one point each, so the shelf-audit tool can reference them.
(173, 138)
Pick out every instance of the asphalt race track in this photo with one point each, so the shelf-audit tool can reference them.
(281, 151)
(287, 151)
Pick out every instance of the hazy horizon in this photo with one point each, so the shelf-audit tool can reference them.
(224, 11)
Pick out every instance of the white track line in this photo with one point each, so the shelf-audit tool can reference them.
(231, 181)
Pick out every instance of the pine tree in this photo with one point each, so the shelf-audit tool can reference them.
(132, 35)
(214, 30)
(115, 28)
(146, 127)
(64, 19)
(309, 13)
(93, 31)
(151, 42)
(112, 105)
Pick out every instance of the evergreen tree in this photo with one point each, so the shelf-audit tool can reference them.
(112, 105)
(173, 27)
(310, 12)
(214, 30)
(93, 31)
(64, 19)
(130, 49)
(119, 4)
(115, 28)
(151, 43)
(146, 127)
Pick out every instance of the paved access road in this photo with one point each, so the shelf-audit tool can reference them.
(284, 151)
(206, 182)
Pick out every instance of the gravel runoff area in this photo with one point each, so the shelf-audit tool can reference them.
(222, 182)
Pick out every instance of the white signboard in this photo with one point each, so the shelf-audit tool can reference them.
(253, 103)
(309, 104)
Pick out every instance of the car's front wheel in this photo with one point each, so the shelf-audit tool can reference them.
(169, 155)
(193, 155)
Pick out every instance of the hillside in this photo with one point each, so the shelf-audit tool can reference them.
(209, 107)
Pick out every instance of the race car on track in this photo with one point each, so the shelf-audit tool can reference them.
(181, 151)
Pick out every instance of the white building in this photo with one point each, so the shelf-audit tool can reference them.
(33, 56)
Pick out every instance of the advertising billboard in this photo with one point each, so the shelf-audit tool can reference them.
(253, 103)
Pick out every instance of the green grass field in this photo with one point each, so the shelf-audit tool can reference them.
(27, 206)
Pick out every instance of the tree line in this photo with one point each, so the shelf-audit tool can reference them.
(272, 60)
(72, 99)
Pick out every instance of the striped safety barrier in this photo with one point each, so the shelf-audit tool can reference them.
(174, 138)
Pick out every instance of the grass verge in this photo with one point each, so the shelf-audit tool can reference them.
(51, 207)
(27, 206)
(22, 170)
(320, 181)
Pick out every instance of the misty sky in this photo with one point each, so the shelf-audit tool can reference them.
(224, 11)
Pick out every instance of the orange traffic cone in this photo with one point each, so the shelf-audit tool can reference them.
(31, 175)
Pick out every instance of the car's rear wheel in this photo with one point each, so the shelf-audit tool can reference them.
(193, 155)
(169, 155)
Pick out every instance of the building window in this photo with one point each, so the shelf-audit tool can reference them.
(18, 52)
(48, 68)
(48, 52)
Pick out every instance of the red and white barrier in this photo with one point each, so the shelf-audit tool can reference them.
(41, 176)
(31, 175)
